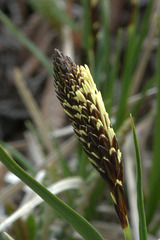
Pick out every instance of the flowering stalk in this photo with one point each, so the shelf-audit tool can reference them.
(85, 109)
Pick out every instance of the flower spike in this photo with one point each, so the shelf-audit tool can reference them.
(85, 109)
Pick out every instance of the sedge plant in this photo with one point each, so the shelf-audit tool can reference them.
(85, 109)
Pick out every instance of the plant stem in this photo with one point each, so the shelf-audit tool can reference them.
(127, 232)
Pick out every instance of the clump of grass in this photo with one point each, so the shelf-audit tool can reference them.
(100, 65)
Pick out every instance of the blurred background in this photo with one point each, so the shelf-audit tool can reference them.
(119, 41)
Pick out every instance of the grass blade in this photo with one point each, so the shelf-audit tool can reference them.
(31, 227)
(140, 204)
(50, 10)
(82, 162)
(114, 72)
(8, 236)
(154, 180)
(104, 6)
(63, 163)
(126, 79)
(20, 158)
(56, 188)
(26, 42)
(146, 87)
(86, 26)
(84, 228)
(134, 47)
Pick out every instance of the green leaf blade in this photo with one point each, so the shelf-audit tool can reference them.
(26, 42)
(153, 197)
(50, 10)
(84, 228)
(8, 236)
(140, 204)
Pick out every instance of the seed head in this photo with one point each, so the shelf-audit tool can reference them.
(85, 109)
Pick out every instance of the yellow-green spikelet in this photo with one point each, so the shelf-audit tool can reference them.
(84, 106)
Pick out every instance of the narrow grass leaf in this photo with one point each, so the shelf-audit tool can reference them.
(31, 227)
(145, 24)
(56, 188)
(114, 72)
(8, 236)
(104, 6)
(140, 203)
(26, 42)
(146, 87)
(126, 77)
(20, 158)
(84, 228)
(82, 164)
(66, 172)
(87, 37)
(153, 198)
(50, 10)
(97, 194)
(154, 229)
(99, 59)
(86, 25)
(134, 46)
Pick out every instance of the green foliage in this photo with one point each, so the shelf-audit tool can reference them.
(109, 88)
(153, 197)
(50, 10)
(31, 227)
(84, 228)
(133, 49)
(20, 158)
(26, 42)
(96, 196)
(140, 200)
(87, 41)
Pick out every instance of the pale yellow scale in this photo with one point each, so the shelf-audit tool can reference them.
(90, 87)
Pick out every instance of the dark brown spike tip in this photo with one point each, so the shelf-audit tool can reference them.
(62, 63)
(57, 53)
